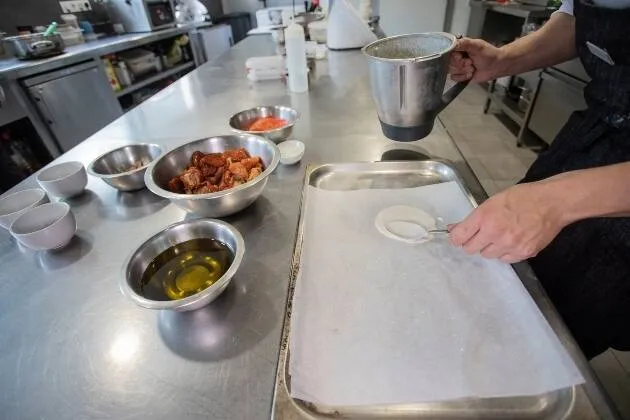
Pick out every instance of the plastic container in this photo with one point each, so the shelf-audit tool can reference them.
(258, 76)
(271, 62)
(296, 58)
(266, 68)
(110, 71)
(124, 77)
(70, 19)
(71, 37)
(140, 62)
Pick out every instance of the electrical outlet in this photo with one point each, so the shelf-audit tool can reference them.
(75, 6)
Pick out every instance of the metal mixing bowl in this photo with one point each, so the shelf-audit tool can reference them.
(112, 166)
(243, 120)
(137, 263)
(221, 203)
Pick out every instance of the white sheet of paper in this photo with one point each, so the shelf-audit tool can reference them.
(379, 321)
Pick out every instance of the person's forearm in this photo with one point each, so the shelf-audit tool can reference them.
(552, 44)
(587, 193)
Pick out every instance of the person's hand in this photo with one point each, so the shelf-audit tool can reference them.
(475, 60)
(513, 225)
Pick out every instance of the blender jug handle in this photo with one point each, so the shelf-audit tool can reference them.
(452, 93)
(455, 90)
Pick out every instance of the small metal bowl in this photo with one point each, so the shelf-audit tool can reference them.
(112, 167)
(243, 120)
(139, 261)
(222, 203)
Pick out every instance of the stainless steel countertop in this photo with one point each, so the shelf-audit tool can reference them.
(12, 68)
(72, 346)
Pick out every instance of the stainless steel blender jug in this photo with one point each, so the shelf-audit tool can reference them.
(408, 74)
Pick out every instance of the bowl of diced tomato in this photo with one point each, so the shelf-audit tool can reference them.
(274, 122)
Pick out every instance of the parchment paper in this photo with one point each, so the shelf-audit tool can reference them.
(378, 321)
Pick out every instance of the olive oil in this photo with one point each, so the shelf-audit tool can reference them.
(186, 269)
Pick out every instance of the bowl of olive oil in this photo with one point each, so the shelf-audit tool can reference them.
(184, 267)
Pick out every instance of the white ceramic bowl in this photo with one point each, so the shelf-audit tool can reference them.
(291, 152)
(14, 205)
(49, 226)
(64, 180)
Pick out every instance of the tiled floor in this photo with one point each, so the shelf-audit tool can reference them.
(491, 151)
(487, 144)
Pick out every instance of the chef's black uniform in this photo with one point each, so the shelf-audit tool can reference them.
(586, 268)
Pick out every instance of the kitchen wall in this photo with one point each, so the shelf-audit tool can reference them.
(40, 12)
(231, 6)
(409, 16)
(397, 16)
(215, 7)
(27, 12)
(251, 6)
(461, 16)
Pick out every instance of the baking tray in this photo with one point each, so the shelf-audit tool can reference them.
(380, 175)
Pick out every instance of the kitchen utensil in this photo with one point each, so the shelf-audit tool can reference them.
(31, 46)
(344, 178)
(124, 168)
(64, 180)
(408, 224)
(49, 226)
(51, 29)
(407, 75)
(291, 152)
(177, 233)
(221, 203)
(427, 235)
(14, 205)
(241, 121)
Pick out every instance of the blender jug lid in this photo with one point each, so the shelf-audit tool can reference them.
(416, 47)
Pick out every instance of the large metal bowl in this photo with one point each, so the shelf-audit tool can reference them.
(222, 203)
(243, 120)
(139, 261)
(112, 166)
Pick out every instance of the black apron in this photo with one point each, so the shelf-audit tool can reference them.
(586, 268)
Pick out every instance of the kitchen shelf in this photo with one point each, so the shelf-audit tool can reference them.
(509, 107)
(154, 78)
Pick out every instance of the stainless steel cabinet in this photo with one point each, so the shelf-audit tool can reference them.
(559, 96)
(74, 102)
(10, 109)
(210, 43)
